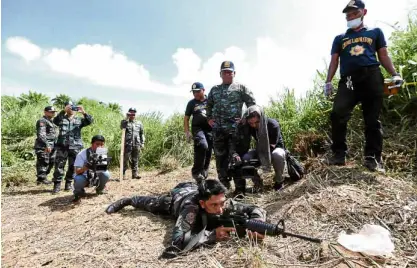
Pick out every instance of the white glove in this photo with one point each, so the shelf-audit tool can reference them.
(328, 89)
(398, 81)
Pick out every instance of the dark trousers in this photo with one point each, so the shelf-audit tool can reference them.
(223, 143)
(62, 155)
(154, 204)
(368, 90)
(131, 157)
(44, 163)
(203, 147)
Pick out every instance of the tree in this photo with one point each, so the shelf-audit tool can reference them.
(60, 100)
(32, 98)
(115, 107)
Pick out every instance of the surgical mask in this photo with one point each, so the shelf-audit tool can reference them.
(354, 23)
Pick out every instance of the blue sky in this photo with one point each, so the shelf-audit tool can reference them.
(147, 53)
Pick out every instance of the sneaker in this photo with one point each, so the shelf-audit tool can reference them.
(100, 192)
(77, 199)
(57, 187)
(335, 160)
(372, 164)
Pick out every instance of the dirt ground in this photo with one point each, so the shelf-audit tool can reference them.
(40, 229)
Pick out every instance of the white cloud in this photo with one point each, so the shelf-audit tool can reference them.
(289, 59)
(24, 48)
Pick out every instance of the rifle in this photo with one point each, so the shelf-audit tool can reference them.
(241, 223)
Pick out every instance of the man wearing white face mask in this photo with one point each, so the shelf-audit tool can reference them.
(361, 81)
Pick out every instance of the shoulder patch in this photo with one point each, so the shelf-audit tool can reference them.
(190, 218)
(41, 124)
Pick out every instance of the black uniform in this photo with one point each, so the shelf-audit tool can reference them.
(69, 144)
(45, 138)
(182, 203)
(202, 135)
(361, 81)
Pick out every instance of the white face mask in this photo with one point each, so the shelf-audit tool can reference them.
(354, 23)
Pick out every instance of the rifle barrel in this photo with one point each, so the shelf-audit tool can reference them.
(308, 238)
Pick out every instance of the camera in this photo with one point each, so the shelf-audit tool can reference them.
(75, 108)
(99, 160)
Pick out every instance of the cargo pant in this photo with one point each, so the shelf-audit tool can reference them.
(223, 143)
(44, 163)
(367, 88)
(203, 146)
(62, 155)
(131, 157)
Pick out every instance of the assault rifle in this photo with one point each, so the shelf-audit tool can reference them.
(241, 223)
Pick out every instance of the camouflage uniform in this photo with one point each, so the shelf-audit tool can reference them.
(134, 140)
(45, 138)
(68, 145)
(224, 105)
(182, 204)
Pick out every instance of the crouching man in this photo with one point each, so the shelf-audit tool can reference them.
(269, 145)
(91, 168)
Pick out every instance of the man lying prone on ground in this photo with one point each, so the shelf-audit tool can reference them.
(196, 209)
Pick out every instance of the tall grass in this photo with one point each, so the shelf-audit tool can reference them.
(304, 121)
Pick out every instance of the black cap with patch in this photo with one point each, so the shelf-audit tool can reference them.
(354, 4)
(98, 138)
(68, 103)
(49, 109)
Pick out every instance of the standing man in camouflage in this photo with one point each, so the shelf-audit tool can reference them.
(44, 145)
(134, 142)
(224, 110)
(69, 143)
(201, 132)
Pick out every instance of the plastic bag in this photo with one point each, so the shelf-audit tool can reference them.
(372, 240)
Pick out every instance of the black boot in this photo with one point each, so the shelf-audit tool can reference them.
(335, 159)
(374, 164)
(135, 175)
(68, 186)
(118, 205)
(57, 187)
(43, 181)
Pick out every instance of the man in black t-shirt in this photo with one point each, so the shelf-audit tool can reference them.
(200, 132)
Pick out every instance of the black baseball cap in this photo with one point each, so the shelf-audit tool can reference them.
(98, 138)
(227, 66)
(354, 4)
(68, 102)
(197, 86)
(49, 109)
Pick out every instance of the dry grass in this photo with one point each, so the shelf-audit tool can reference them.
(39, 229)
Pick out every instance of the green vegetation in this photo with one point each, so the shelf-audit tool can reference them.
(305, 122)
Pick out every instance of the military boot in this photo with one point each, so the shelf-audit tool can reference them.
(57, 187)
(68, 186)
(43, 181)
(135, 175)
(336, 160)
(118, 205)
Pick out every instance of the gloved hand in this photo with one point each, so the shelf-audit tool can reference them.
(124, 124)
(236, 159)
(188, 136)
(328, 89)
(398, 81)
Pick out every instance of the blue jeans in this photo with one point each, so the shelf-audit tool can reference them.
(80, 181)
